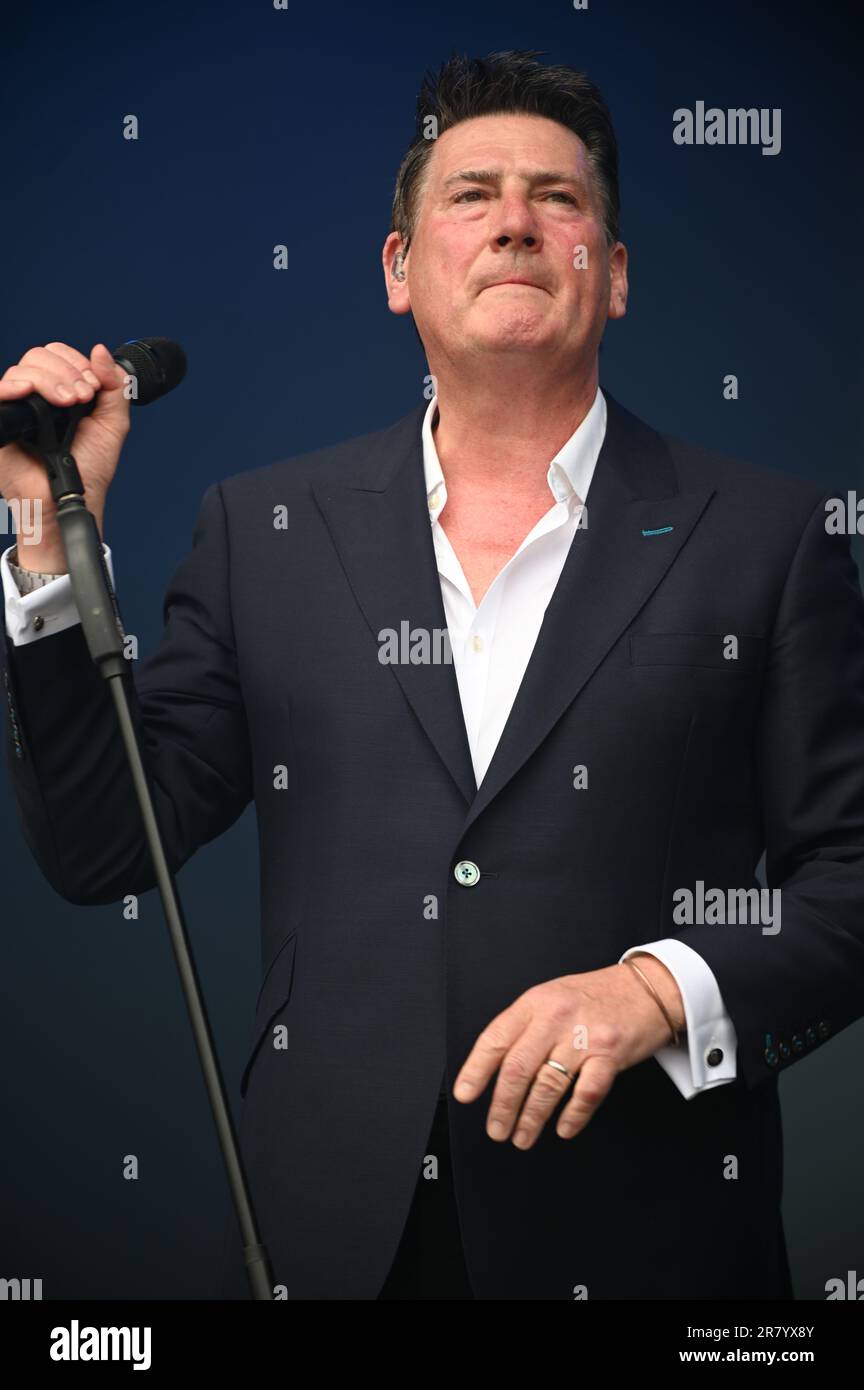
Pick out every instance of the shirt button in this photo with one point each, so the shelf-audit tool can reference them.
(435, 498)
(477, 642)
(466, 873)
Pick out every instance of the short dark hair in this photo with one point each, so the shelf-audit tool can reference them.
(509, 81)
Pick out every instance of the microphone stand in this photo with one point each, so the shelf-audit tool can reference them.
(103, 631)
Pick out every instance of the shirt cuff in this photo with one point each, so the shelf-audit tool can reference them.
(44, 611)
(712, 1043)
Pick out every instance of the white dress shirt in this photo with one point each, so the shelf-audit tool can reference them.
(491, 647)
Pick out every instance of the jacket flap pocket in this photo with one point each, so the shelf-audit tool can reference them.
(730, 651)
(273, 996)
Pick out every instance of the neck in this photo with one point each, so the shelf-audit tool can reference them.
(489, 432)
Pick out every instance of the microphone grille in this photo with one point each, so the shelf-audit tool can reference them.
(158, 364)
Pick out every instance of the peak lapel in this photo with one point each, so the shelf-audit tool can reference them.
(379, 524)
(610, 571)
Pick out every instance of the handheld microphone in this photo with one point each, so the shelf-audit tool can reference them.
(156, 366)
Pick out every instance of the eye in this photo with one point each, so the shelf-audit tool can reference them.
(478, 192)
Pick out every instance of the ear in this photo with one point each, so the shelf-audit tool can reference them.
(618, 288)
(396, 275)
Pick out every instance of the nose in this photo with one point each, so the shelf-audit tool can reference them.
(517, 224)
(504, 240)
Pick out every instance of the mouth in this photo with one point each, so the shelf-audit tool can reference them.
(516, 280)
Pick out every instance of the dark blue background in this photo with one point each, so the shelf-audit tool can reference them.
(260, 127)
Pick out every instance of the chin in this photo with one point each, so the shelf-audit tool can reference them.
(516, 334)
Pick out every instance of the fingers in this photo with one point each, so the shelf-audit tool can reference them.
(593, 1072)
(100, 369)
(594, 1080)
(110, 373)
(71, 355)
(58, 389)
(529, 1090)
(593, 1084)
(491, 1046)
(61, 374)
(13, 388)
(524, 1070)
(54, 376)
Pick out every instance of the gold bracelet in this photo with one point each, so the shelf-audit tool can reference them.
(673, 1030)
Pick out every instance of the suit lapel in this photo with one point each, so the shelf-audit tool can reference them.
(379, 524)
(610, 572)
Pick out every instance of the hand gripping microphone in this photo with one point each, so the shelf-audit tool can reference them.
(154, 366)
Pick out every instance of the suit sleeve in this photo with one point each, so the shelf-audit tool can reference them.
(74, 795)
(789, 991)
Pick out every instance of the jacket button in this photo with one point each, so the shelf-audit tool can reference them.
(771, 1057)
(823, 1028)
(785, 1051)
(810, 1036)
(466, 873)
(797, 1042)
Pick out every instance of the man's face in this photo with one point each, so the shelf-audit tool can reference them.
(509, 196)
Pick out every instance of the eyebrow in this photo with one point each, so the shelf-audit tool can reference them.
(494, 176)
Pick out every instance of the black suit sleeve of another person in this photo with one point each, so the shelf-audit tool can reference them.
(786, 991)
(75, 799)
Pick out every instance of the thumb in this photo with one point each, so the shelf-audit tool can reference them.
(114, 397)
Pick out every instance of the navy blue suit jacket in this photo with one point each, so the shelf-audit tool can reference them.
(269, 660)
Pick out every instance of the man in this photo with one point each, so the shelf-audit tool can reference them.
(515, 1068)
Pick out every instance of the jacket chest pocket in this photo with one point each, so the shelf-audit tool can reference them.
(273, 998)
(733, 652)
